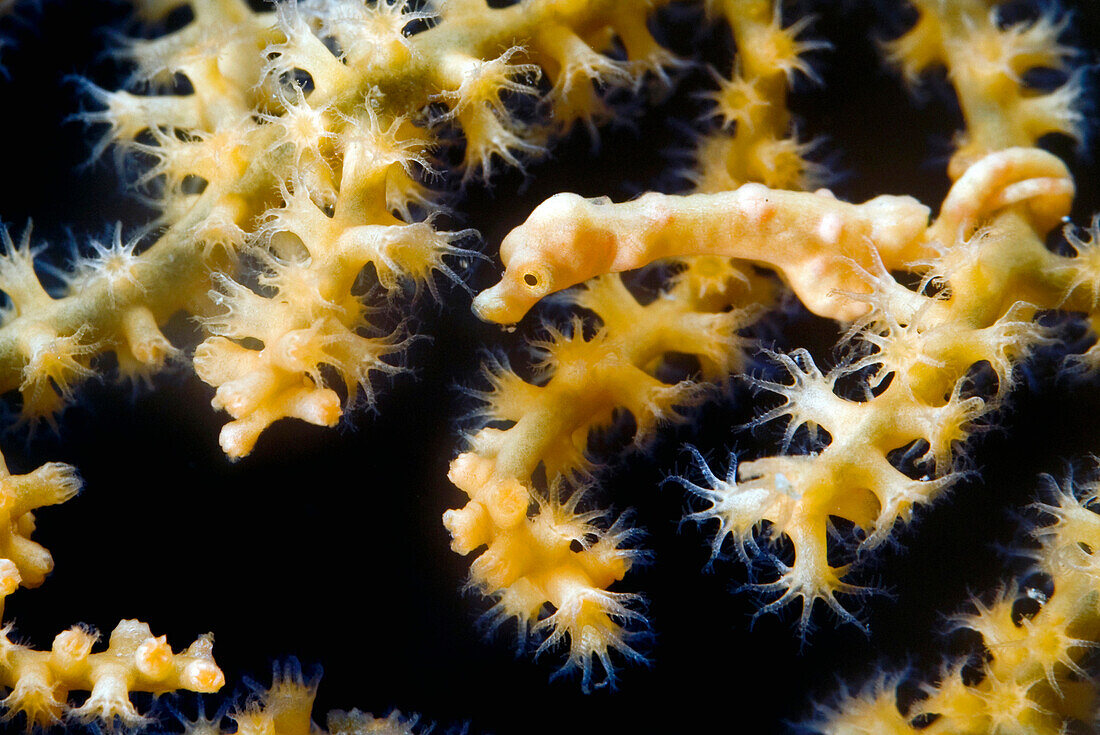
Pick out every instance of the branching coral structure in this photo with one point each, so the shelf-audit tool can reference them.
(301, 143)
(996, 275)
(285, 153)
(293, 168)
(1027, 673)
(924, 362)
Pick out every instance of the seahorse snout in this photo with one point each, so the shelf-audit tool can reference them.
(500, 306)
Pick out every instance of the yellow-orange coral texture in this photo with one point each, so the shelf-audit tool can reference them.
(746, 349)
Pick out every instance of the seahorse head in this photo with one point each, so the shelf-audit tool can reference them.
(560, 245)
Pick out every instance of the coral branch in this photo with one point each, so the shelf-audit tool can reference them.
(134, 661)
(530, 561)
(295, 159)
(985, 272)
(1030, 674)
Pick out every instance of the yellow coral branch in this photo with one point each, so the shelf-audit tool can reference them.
(986, 274)
(306, 157)
(1033, 649)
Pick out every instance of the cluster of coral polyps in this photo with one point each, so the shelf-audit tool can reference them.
(39, 682)
(1028, 673)
(285, 708)
(869, 455)
(562, 556)
(286, 153)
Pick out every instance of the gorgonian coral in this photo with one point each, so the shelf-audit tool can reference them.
(299, 162)
(927, 303)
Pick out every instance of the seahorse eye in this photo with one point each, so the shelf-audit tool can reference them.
(538, 277)
(538, 280)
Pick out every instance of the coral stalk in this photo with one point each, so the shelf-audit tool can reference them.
(985, 273)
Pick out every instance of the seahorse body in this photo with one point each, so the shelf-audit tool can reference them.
(819, 244)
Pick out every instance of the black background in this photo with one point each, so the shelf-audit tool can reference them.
(327, 545)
